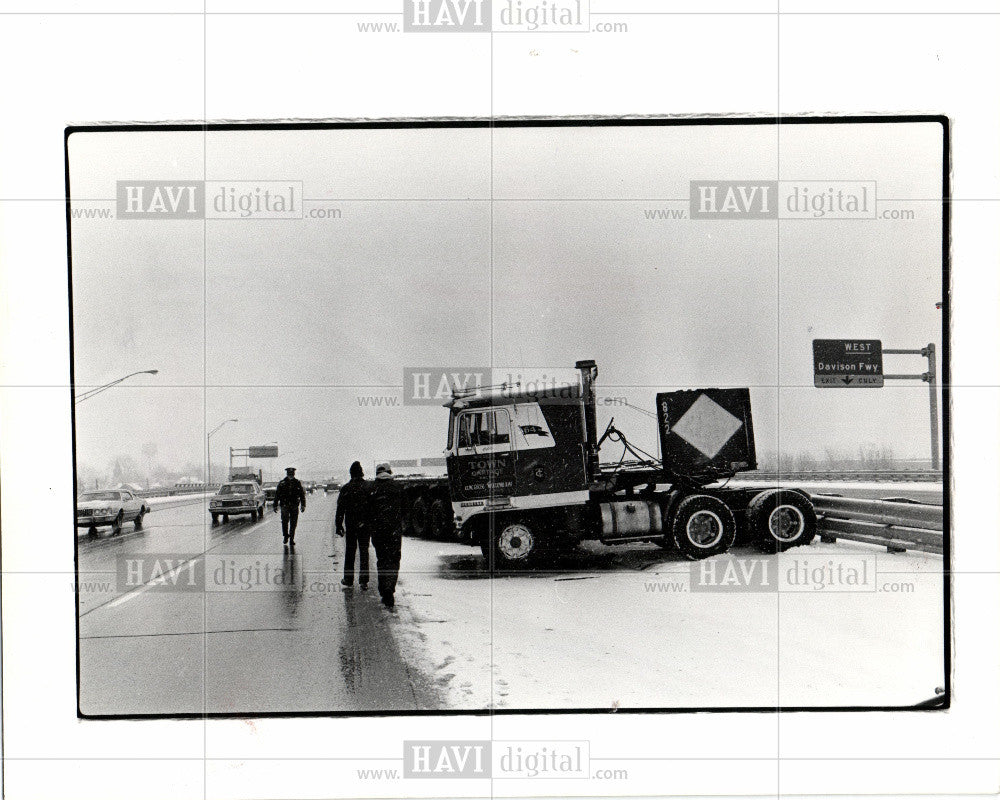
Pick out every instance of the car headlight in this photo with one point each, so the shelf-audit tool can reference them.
(105, 510)
(214, 504)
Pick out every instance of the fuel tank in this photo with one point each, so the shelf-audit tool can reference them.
(630, 519)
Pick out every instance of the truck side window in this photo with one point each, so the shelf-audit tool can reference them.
(484, 429)
(480, 429)
(500, 428)
(464, 437)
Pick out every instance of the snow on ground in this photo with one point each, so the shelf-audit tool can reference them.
(621, 627)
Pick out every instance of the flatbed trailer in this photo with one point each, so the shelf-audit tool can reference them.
(427, 509)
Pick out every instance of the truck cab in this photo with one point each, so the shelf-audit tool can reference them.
(525, 476)
(517, 450)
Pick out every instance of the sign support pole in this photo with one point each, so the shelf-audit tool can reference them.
(929, 353)
(930, 378)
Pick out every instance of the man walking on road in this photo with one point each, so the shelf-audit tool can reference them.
(352, 503)
(290, 496)
(385, 522)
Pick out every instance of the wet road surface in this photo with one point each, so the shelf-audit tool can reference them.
(153, 643)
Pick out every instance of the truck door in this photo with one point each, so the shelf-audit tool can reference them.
(484, 462)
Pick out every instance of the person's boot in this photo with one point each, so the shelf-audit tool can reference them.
(348, 582)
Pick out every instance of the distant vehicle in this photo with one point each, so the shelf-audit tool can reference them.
(332, 486)
(234, 499)
(111, 507)
(246, 474)
(309, 486)
(270, 491)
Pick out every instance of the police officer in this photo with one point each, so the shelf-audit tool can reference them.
(385, 523)
(352, 503)
(290, 496)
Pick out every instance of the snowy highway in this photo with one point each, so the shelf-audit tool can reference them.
(623, 627)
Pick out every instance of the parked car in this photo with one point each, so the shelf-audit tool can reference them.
(236, 498)
(270, 491)
(332, 486)
(112, 507)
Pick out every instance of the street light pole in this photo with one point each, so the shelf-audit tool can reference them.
(208, 483)
(92, 392)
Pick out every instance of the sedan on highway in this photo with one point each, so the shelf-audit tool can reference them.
(234, 499)
(110, 507)
(270, 491)
(332, 486)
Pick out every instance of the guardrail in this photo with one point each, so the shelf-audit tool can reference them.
(896, 526)
(865, 476)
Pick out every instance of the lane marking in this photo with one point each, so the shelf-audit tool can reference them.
(131, 595)
(160, 580)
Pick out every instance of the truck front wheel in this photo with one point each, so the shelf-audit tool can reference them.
(780, 519)
(703, 526)
(512, 543)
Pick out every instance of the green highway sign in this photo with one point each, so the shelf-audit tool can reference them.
(847, 364)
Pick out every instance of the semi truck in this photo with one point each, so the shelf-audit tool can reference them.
(525, 476)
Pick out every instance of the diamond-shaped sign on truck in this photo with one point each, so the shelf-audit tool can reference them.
(707, 426)
(706, 429)
(847, 364)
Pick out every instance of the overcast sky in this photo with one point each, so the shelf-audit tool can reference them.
(285, 324)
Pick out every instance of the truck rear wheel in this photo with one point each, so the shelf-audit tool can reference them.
(780, 519)
(420, 516)
(702, 526)
(512, 543)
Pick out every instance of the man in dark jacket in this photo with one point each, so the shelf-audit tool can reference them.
(290, 496)
(385, 524)
(352, 503)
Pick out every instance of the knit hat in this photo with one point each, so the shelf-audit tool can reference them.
(356, 470)
(383, 467)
